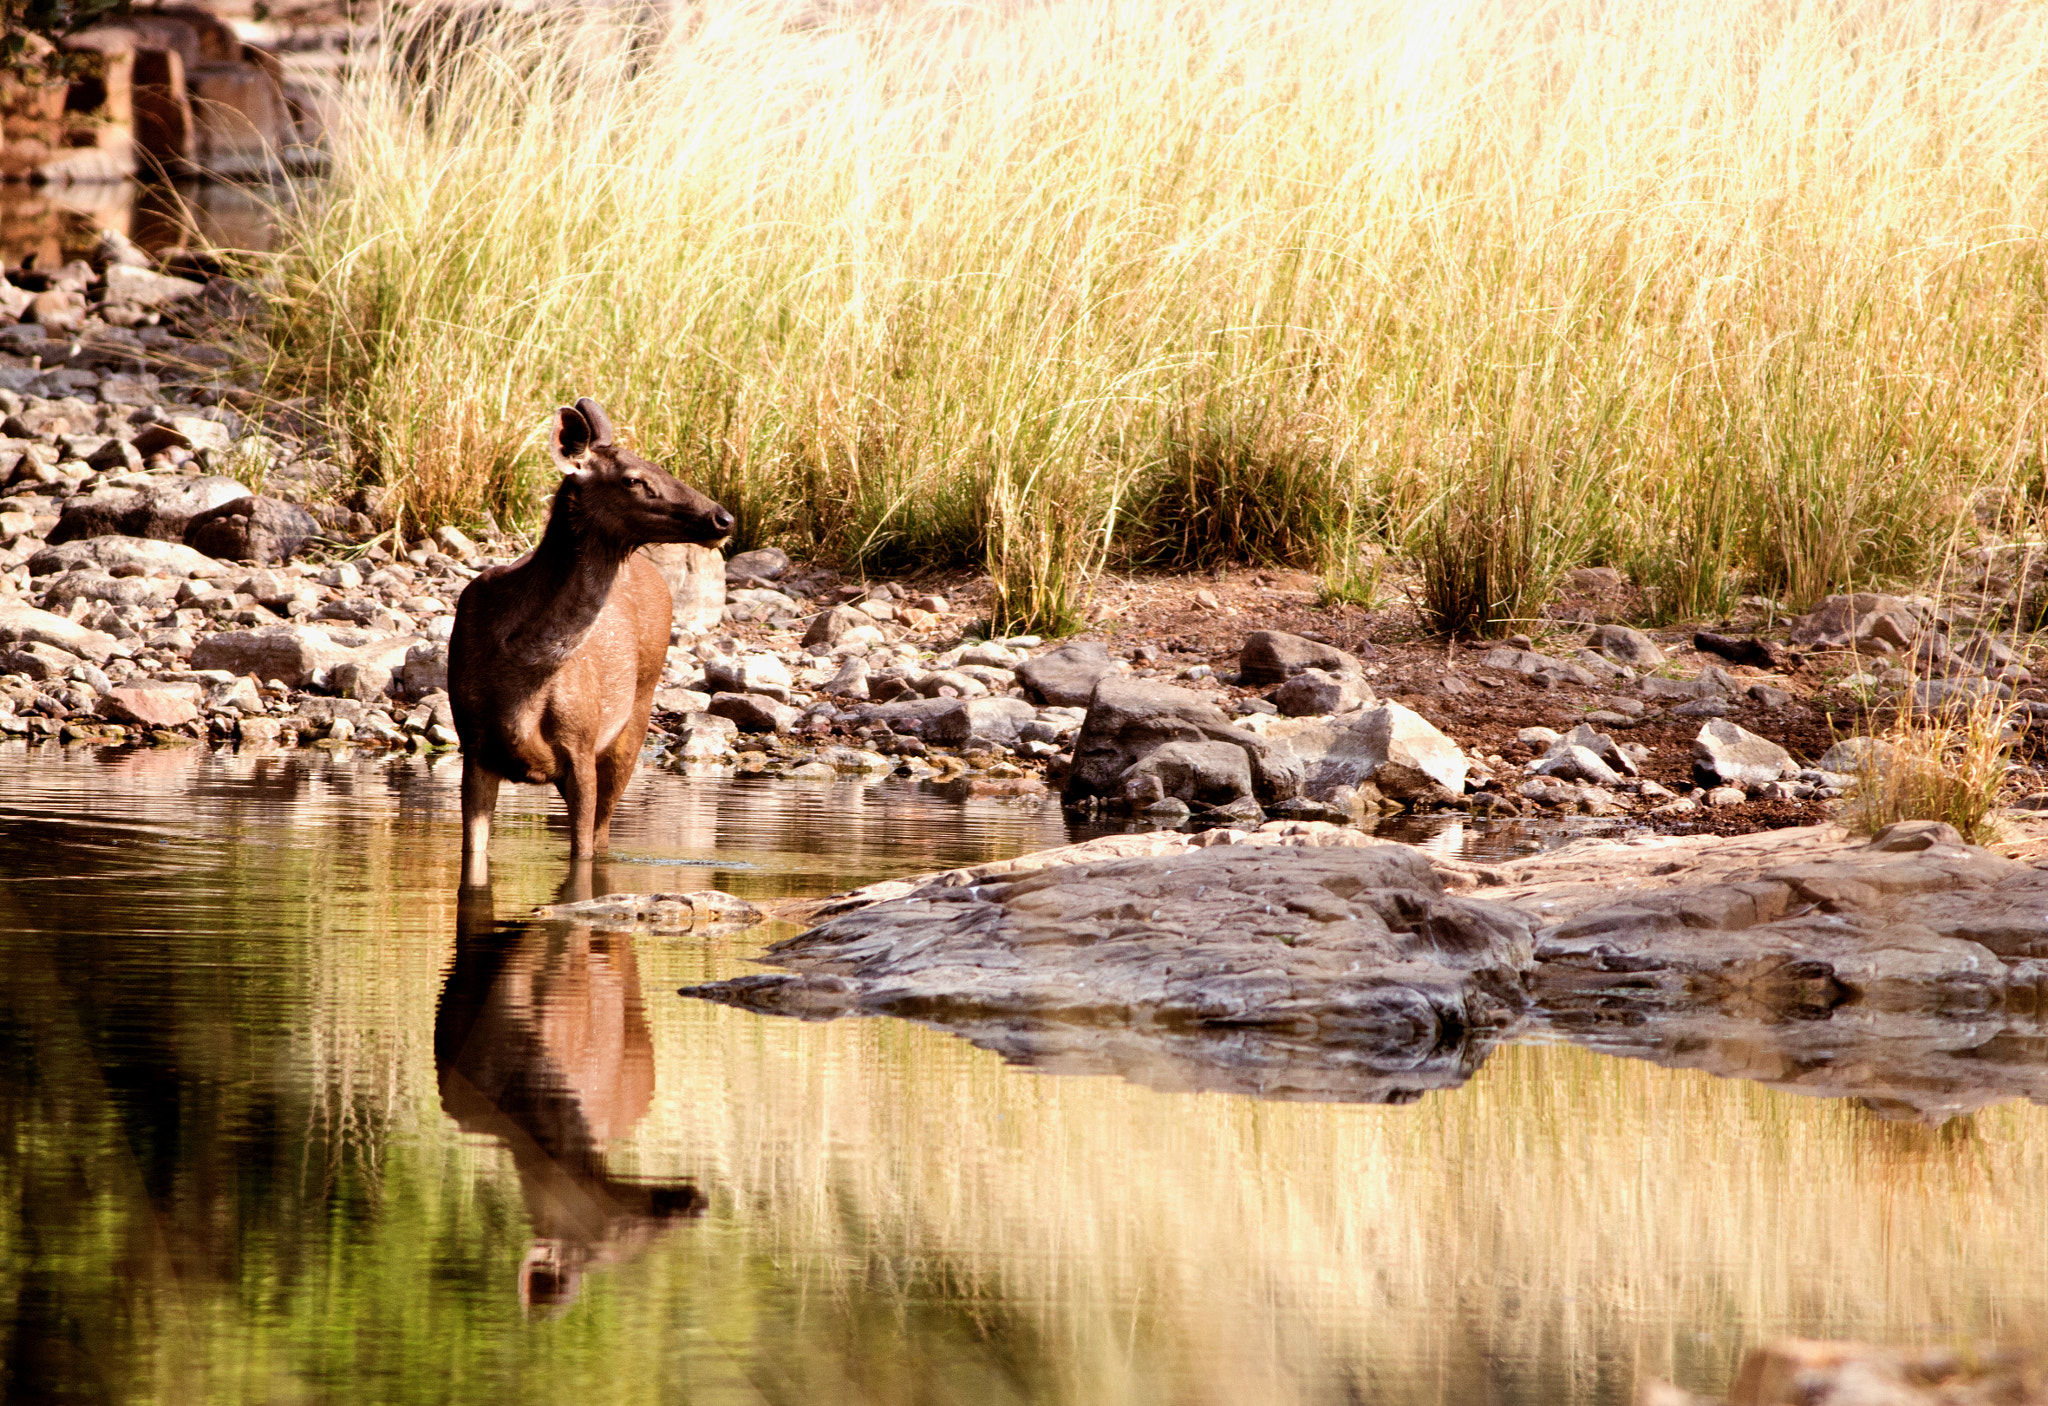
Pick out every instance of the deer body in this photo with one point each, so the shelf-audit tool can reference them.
(555, 657)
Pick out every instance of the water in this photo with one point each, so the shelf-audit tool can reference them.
(283, 1122)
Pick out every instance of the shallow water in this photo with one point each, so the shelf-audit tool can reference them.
(284, 1122)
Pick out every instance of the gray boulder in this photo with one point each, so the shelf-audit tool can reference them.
(1197, 773)
(172, 559)
(252, 529)
(1313, 693)
(160, 512)
(696, 582)
(748, 673)
(1392, 747)
(21, 623)
(1571, 762)
(298, 656)
(1733, 756)
(1540, 667)
(1066, 677)
(762, 564)
(829, 627)
(753, 712)
(1711, 682)
(1626, 646)
(1130, 718)
(1274, 656)
(1863, 621)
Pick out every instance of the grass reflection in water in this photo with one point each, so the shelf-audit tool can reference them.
(231, 1172)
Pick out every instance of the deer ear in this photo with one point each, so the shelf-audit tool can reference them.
(571, 438)
(599, 422)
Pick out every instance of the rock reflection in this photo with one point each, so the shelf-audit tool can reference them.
(541, 1041)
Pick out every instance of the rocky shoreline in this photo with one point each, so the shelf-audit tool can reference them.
(181, 561)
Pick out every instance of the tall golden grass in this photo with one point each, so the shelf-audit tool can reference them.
(1737, 297)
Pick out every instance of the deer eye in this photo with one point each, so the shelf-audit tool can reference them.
(642, 487)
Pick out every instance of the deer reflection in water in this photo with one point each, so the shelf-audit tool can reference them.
(541, 1041)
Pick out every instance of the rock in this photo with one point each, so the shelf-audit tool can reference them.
(851, 681)
(1725, 796)
(959, 719)
(145, 288)
(1853, 755)
(1329, 973)
(1626, 646)
(952, 682)
(1197, 773)
(1313, 693)
(1703, 708)
(160, 705)
(1540, 667)
(1066, 677)
(754, 712)
(831, 626)
(252, 529)
(1798, 1371)
(1862, 621)
(424, 669)
(1390, 746)
(172, 559)
(298, 656)
(128, 592)
(1712, 682)
(363, 680)
(21, 624)
(1570, 762)
(159, 512)
(1129, 718)
(1768, 698)
(1273, 656)
(257, 733)
(696, 581)
(1736, 651)
(764, 674)
(762, 564)
(1726, 753)
(1952, 695)
(705, 737)
(41, 662)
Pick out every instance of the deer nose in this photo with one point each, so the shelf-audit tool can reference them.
(721, 519)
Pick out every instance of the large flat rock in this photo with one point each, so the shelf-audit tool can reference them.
(1307, 972)
(1306, 960)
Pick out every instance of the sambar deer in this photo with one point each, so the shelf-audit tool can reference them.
(555, 657)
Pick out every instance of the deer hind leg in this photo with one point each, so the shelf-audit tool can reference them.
(479, 799)
(614, 769)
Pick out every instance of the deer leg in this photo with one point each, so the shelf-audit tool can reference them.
(479, 799)
(579, 792)
(614, 770)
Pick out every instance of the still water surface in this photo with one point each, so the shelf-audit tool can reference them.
(284, 1122)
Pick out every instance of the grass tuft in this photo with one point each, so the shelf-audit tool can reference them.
(1947, 764)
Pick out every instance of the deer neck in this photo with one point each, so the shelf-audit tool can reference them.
(569, 579)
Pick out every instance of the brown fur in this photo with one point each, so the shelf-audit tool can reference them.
(555, 657)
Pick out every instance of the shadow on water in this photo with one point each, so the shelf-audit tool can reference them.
(541, 1042)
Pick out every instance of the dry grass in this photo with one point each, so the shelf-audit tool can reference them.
(1746, 297)
(1946, 763)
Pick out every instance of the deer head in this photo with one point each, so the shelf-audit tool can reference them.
(616, 494)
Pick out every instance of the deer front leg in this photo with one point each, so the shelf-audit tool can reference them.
(579, 793)
(479, 799)
(614, 770)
